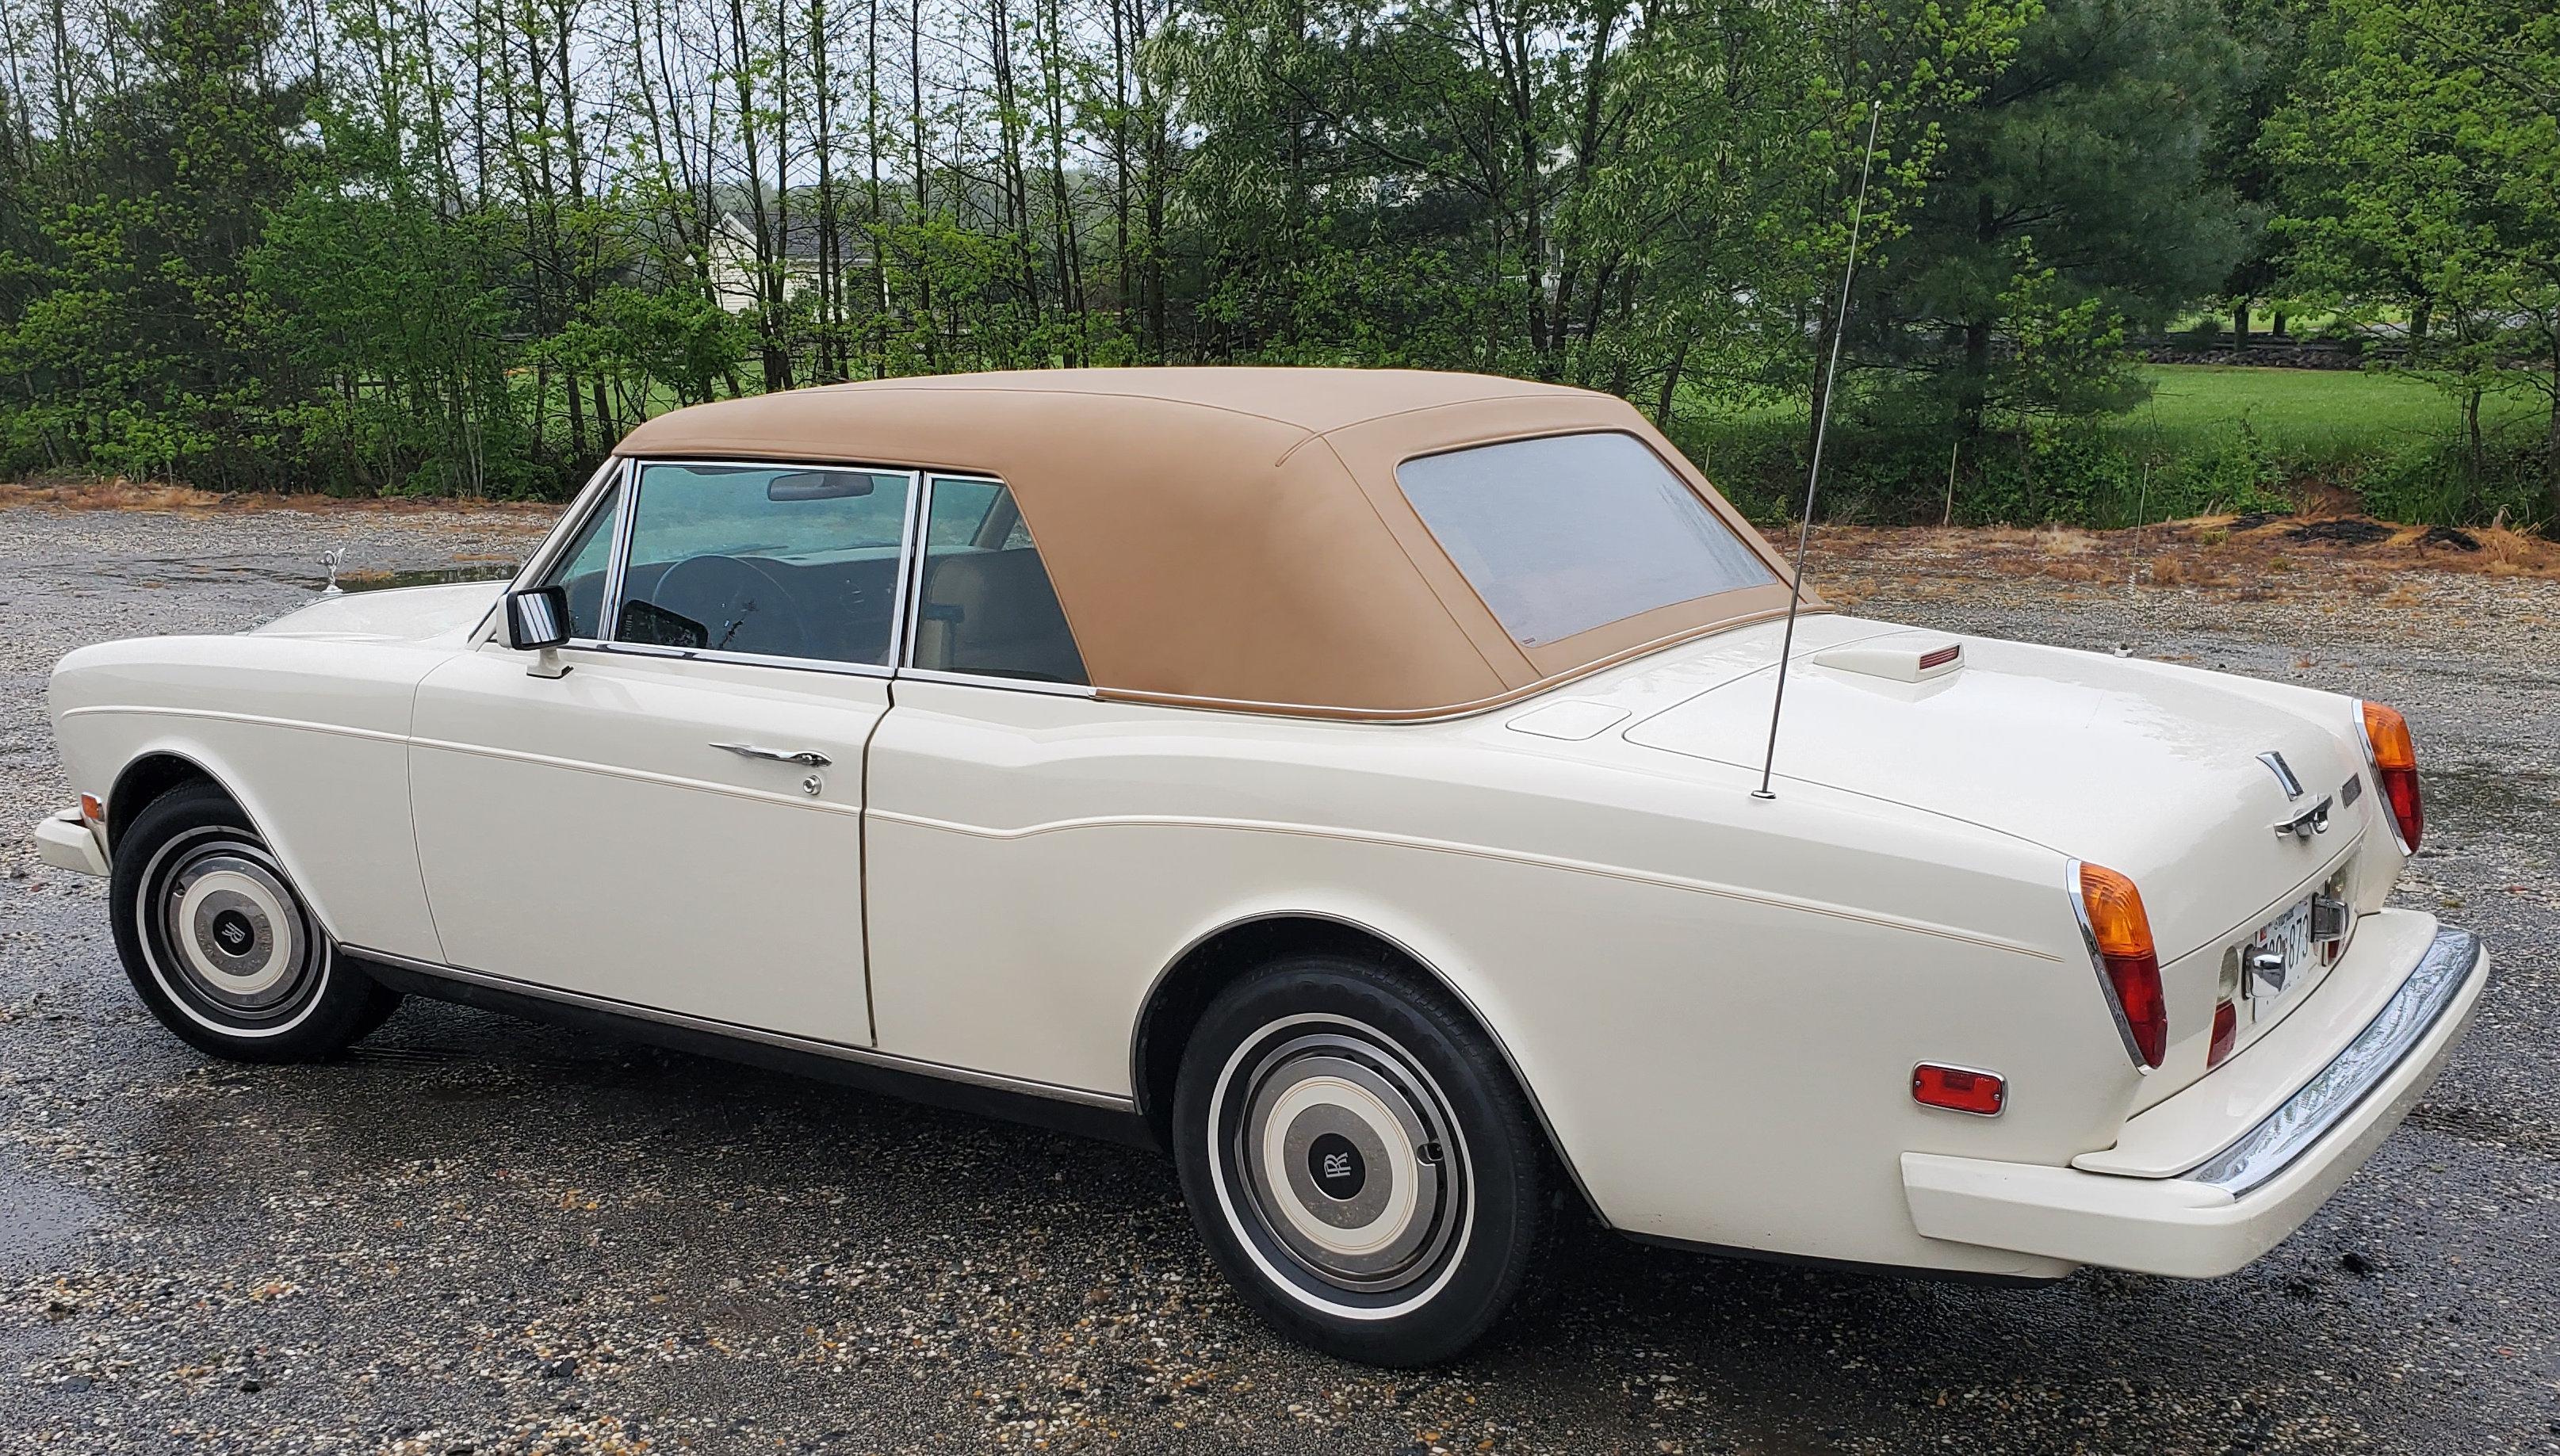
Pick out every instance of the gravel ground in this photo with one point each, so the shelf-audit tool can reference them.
(480, 1236)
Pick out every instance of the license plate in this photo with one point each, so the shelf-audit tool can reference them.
(2281, 952)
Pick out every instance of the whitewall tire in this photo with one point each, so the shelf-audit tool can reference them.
(220, 944)
(1359, 1159)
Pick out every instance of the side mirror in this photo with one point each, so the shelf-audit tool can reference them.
(538, 621)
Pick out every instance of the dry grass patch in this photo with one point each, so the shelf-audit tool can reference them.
(119, 493)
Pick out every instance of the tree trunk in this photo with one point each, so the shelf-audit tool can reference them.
(1670, 384)
(1972, 388)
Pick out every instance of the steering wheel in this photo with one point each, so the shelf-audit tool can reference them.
(742, 606)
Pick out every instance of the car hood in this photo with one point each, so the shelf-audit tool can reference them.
(2147, 768)
(404, 614)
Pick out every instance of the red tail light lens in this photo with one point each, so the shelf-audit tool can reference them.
(2395, 769)
(2120, 935)
(2226, 1032)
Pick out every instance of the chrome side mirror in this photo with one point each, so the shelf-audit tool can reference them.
(537, 622)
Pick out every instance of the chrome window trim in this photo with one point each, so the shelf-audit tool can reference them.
(1017, 685)
(617, 571)
(743, 659)
(2098, 964)
(2450, 963)
(571, 521)
(608, 609)
(918, 546)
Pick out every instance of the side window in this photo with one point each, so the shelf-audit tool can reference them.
(779, 561)
(583, 568)
(984, 605)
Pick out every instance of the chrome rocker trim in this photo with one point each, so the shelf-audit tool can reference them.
(1075, 1109)
(2288, 1132)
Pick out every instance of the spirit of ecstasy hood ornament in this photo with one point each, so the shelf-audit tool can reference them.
(333, 559)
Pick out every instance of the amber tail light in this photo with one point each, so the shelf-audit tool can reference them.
(2120, 938)
(2395, 769)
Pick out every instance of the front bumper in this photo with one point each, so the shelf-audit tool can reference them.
(2242, 1198)
(67, 842)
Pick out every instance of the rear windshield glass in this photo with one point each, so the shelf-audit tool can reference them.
(1575, 531)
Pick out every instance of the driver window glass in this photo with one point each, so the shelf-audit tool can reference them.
(780, 561)
(582, 569)
(986, 606)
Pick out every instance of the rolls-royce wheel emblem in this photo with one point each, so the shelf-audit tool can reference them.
(1337, 1167)
(232, 931)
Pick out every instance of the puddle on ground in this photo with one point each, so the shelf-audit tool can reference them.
(2486, 798)
(379, 581)
(37, 1218)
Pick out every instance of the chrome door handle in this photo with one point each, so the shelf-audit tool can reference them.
(809, 757)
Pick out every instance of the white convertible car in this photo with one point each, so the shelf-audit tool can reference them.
(1344, 779)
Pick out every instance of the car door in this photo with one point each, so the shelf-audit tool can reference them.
(676, 822)
(978, 964)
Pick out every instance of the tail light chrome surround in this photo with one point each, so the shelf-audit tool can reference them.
(2127, 961)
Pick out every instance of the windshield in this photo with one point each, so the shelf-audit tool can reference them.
(1563, 534)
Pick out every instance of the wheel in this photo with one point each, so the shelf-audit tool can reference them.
(219, 944)
(1359, 1160)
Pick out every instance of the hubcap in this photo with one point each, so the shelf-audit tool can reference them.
(1338, 1144)
(228, 940)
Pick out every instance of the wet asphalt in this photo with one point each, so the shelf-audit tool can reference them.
(476, 1235)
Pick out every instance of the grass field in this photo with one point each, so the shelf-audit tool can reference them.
(2212, 438)
(2308, 413)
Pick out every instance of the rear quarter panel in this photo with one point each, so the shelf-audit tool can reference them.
(1715, 1002)
(309, 735)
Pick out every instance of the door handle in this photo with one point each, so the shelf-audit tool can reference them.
(808, 756)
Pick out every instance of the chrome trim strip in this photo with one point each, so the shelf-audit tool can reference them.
(617, 566)
(890, 1061)
(2343, 1085)
(1017, 685)
(2098, 964)
(708, 654)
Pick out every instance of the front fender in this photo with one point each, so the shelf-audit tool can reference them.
(309, 738)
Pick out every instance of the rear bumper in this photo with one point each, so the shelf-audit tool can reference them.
(67, 842)
(2243, 1199)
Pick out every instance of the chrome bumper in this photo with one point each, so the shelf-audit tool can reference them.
(2339, 1087)
(2236, 1203)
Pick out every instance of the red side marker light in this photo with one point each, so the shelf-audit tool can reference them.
(1958, 1089)
(1941, 657)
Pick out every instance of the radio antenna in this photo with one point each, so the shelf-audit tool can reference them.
(1814, 475)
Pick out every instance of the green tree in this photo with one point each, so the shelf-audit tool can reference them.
(2425, 148)
(2070, 199)
(153, 348)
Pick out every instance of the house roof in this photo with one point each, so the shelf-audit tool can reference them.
(1236, 537)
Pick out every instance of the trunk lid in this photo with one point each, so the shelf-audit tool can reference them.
(2146, 768)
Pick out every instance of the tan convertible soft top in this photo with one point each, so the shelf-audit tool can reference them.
(1235, 537)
